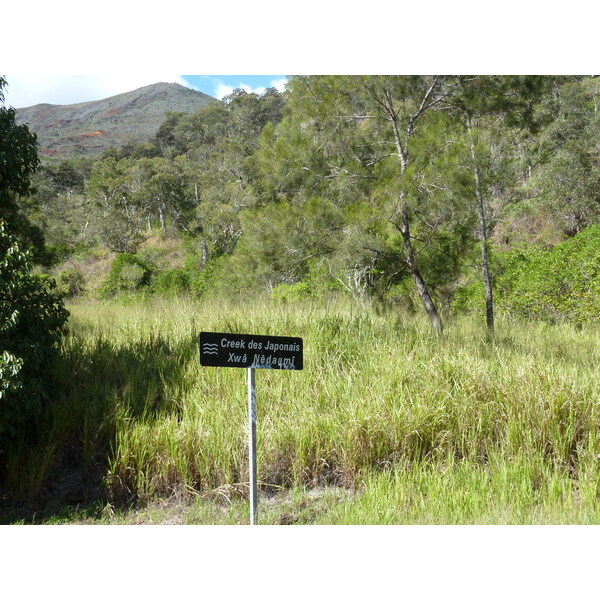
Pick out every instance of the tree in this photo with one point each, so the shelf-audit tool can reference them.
(18, 162)
(119, 217)
(32, 320)
(493, 111)
(218, 165)
(373, 139)
(60, 208)
(18, 156)
(569, 180)
(164, 191)
(282, 240)
(32, 315)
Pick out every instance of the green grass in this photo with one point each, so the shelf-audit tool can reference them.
(510, 491)
(417, 429)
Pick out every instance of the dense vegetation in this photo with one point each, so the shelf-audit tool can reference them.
(32, 315)
(407, 190)
(32, 318)
(340, 211)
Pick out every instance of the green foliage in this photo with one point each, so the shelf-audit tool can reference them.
(320, 280)
(204, 279)
(32, 321)
(378, 151)
(70, 282)
(562, 283)
(469, 299)
(402, 295)
(128, 273)
(280, 241)
(146, 274)
(18, 162)
(218, 214)
(172, 282)
(289, 294)
(18, 155)
(342, 183)
(517, 97)
(569, 180)
(60, 208)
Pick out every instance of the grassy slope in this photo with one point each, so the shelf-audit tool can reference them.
(415, 429)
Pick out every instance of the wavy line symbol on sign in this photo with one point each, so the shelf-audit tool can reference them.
(210, 348)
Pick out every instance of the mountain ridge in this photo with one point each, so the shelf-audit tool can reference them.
(88, 128)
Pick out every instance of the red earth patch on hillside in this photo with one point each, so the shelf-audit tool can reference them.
(87, 135)
(59, 123)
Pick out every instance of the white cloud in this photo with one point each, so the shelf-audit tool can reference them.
(279, 84)
(221, 90)
(27, 90)
(259, 90)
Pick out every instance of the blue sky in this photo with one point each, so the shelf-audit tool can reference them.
(221, 85)
(28, 90)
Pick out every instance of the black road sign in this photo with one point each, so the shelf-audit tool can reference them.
(250, 351)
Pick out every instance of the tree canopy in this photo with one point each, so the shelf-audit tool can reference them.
(394, 188)
(18, 162)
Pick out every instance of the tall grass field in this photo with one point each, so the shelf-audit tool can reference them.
(386, 423)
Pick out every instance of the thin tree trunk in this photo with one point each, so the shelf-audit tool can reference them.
(487, 278)
(424, 295)
(485, 267)
(203, 243)
(161, 218)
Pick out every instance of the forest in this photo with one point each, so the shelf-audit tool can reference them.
(449, 220)
(418, 191)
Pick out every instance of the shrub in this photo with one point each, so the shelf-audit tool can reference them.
(128, 273)
(172, 282)
(561, 283)
(32, 321)
(208, 277)
(295, 292)
(70, 282)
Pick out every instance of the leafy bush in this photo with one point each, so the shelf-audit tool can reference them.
(561, 283)
(206, 278)
(70, 282)
(285, 293)
(128, 273)
(172, 282)
(32, 320)
(402, 295)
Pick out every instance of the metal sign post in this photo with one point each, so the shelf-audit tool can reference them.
(252, 443)
(251, 352)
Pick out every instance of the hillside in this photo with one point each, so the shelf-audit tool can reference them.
(86, 128)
